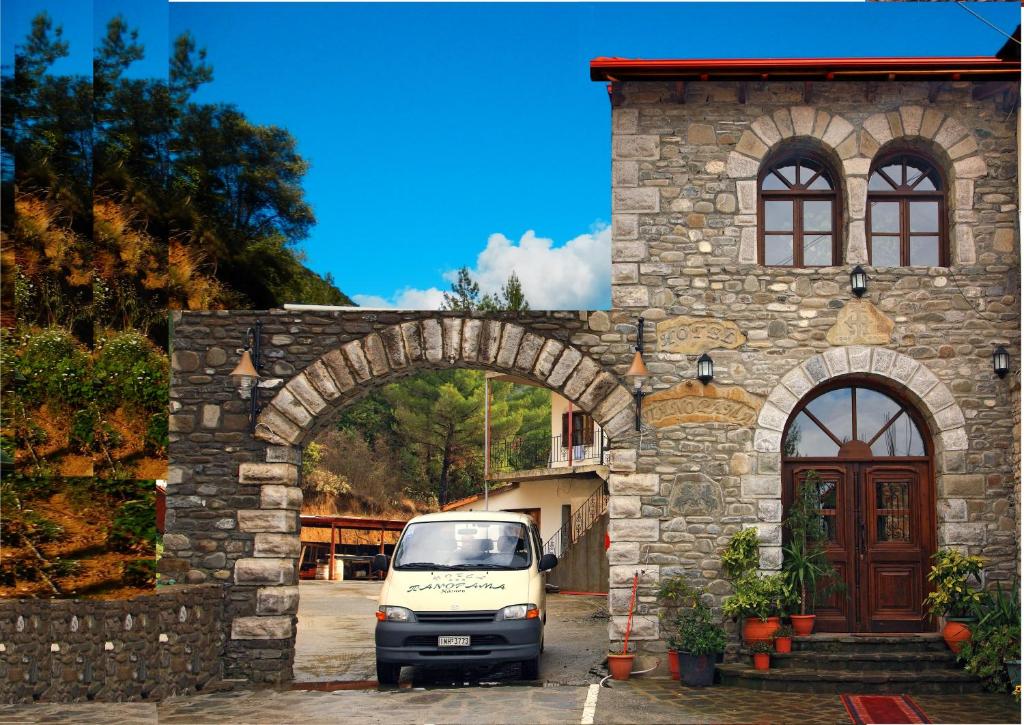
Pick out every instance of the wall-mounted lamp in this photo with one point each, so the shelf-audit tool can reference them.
(638, 370)
(705, 369)
(247, 373)
(859, 281)
(1001, 361)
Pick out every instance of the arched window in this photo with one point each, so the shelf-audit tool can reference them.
(798, 213)
(906, 209)
(853, 421)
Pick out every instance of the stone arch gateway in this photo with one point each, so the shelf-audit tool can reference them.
(234, 496)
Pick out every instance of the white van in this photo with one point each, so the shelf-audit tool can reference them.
(465, 588)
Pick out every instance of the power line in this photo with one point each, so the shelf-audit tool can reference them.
(988, 23)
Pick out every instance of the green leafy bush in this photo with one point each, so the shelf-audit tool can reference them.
(953, 595)
(698, 634)
(758, 595)
(134, 525)
(139, 573)
(742, 554)
(54, 369)
(129, 369)
(995, 637)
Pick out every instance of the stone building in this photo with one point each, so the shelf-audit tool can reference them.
(743, 195)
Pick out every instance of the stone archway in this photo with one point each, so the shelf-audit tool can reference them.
(942, 415)
(234, 500)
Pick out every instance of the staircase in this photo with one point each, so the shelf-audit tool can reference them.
(857, 664)
(579, 546)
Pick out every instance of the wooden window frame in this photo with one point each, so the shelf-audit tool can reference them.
(904, 198)
(581, 423)
(798, 197)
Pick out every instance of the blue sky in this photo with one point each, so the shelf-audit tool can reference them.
(470, 134)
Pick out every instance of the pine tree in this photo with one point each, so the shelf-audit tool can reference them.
(465, 294)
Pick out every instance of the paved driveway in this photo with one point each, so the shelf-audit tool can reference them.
(334, 639)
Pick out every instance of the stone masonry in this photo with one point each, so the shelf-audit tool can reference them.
(684, 226)
(77, 650)
(234, 499)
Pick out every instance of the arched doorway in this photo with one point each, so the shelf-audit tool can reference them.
(873, 458)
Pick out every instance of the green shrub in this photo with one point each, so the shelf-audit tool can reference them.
(139, 573)
(156, 432)
(697, 634)
(742, 554)
(129, 369)
(54, 369)
(953, 596)
(758, 595)
(134, 525)
(83, 429)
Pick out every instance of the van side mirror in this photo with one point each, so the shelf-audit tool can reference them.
(379, 563)
(547, 562)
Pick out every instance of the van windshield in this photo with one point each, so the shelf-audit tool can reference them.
(464, 545)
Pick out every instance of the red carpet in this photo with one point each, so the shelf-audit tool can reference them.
(870, 709)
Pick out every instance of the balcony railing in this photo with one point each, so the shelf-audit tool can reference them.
(519, 453)
(578, 524)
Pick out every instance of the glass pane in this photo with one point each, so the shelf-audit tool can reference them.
(914, 173)
(885, 251)
(817, 250)
(929, 183)
(788, 173)
(878, 183)
(818, 216)
(835, 411)
(778, 216)
(924, 251)
(805, 439)
(892, 511)
(874, 409)
(885, 216)
(773, 183)
(924, 216)
(895, 172)
(901, 439)
(778, 249)
(820, 184)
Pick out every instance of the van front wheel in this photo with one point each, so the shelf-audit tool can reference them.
(388, 673)
(531, 668)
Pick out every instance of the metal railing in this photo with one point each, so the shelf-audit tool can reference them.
(519, 453)
(579, 522)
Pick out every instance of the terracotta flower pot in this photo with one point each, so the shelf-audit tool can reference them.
(803, 624)
(755, 630)
(783, 645)
(956, 632)
(762, 661)
(673, 664)
(620, 666)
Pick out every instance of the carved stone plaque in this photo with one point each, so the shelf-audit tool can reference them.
(692, 402)
(860, 323)
(692, 335)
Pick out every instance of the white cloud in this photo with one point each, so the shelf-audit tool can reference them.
(572, 276)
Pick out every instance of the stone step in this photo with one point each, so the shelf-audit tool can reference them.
(867, 661)
(828, 642)
(797, 679)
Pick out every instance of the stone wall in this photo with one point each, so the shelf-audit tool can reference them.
(233, 498)
(149, 647)
(684, 252)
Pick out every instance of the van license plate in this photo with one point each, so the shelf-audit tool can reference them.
(450, 641)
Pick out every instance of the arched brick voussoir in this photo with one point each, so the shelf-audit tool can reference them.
(768, 132)
(934, 399)
(301, 407)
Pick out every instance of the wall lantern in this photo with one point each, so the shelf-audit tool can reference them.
(705, 368)
(638, 370)
(247, 373)
(859, 281)
(1001, 361)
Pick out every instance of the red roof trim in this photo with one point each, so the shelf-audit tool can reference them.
(620, 69)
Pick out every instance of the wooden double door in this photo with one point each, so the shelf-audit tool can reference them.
(879, 520)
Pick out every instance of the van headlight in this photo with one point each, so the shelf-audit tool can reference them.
(519, 611)
(395, 614)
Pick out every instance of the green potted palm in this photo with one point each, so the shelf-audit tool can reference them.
(805, 562)
(953, 596)
(700, 640)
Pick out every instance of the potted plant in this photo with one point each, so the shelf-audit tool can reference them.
(757, 599)
(673, 594)
(993, 651)
(762, 654)
(784, 639)
(742, 554)
(953, 597)
(700, 640)
(804, 559)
